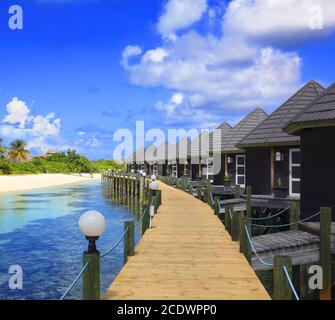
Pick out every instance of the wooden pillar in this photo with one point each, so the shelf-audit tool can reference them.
(216, 206)
(294, 215)
(91, 276)
(281, 286)
(245, 246)
(248, 202)
(272, 169)
(325, 252)
(128, 240)
(146, 219)
(237, 192)
(235, 226)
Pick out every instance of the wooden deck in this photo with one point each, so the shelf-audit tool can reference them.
(186, 255)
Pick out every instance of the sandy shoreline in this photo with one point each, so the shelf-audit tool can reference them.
(28, 182)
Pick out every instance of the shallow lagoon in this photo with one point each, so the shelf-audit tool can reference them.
(39, 231)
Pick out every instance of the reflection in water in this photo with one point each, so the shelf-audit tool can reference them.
(39, 232)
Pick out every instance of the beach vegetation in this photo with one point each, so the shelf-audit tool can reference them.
(17, 160)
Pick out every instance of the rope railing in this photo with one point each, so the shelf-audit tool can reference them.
(254, 250)
(74, 281)
(291, 283)
(286, 224)
(86, 265)
(268, 217)
(141, 218)
(115, 246)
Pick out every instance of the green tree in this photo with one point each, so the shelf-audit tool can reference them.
(17, 151)
(3, 149)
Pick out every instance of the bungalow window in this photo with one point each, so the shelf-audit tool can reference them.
(155, 169)
(209, 169)
(240, 170)
(294, 172)
(174, 169)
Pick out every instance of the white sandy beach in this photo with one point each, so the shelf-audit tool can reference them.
(27, 182)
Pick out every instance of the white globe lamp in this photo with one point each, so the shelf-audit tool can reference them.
(92, 224)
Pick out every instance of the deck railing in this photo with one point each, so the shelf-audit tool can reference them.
(239, 225)
(151, 201)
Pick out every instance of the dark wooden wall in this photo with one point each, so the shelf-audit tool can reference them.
(317, 170)
(258, 170)
(219, 166)
(232, 168)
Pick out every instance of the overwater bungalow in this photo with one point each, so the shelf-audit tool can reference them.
(315, 126)
(273, 156)
(199, 155)
(159, 165)
(232, 159)
(217, 159)
(151, 159)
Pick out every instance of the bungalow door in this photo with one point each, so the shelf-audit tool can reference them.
(174, 169)
(209, 169)
(294, 183)
(240, 170)
(155, 169)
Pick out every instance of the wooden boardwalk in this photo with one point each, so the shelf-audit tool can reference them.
(186, 255)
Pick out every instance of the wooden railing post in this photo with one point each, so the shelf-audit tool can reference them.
(217, 205)
(91, 276)
(281, 286)
(294, 215)
(245, 246)
(248, 202)
(146, 219)
(237, 191)
(325, 252)
(128, 240)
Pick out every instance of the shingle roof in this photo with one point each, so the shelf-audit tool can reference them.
(320, 110)
(270, 131)
(242, 129)
(216, 138)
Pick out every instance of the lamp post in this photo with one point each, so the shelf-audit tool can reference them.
(153, 187)
(92, 224)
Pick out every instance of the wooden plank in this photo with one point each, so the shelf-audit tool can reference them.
(186, 255)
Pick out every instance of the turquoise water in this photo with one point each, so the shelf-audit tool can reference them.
(39, 231)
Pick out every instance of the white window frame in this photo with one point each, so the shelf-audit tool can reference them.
(291, 180)
(174, 169)
(209, 168)
(238, 166)
(155, 169)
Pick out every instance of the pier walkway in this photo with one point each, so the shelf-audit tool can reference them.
(186, 255)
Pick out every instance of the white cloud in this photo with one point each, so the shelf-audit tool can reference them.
(156, 55)
(41, 132)
(237, 69)
(279, 20)
(18, 112)
(220, 73)
(180, 14)
(128, 52)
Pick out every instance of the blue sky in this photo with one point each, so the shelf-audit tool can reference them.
(82, 69)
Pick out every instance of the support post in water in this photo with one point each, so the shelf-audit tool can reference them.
(325, 252)
(128, 240)
(294, 215)
(281, 285)
(91, 276)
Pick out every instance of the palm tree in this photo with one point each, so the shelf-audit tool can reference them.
(2, 149)
(17, 151)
